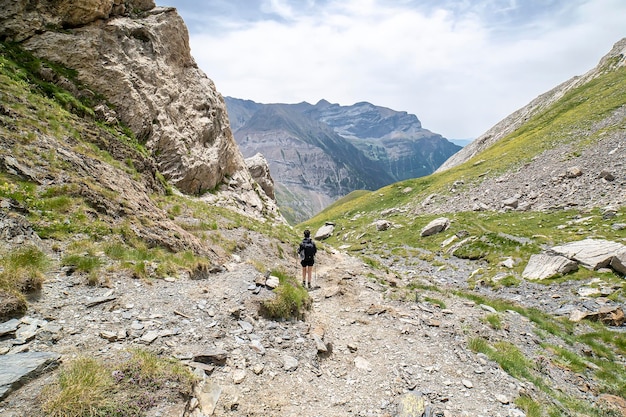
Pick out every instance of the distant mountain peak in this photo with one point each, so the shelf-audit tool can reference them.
(319, 153)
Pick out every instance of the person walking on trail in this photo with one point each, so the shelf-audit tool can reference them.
(307, 251)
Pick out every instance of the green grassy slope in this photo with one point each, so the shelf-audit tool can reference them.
(578, 119)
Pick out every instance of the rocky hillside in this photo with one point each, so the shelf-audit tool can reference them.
(121, 295)
(318, 153)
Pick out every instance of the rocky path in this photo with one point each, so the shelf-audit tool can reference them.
(358, 352)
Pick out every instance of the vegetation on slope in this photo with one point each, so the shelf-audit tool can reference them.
(46, 132)
(491, 237)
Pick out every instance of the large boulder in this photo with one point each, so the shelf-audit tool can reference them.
(260, 171)
(138, 57)
(325, 231)
(591, 253)
(436, 226)
(544, 266)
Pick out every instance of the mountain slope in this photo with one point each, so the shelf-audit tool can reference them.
(554, 176)
(360, 146)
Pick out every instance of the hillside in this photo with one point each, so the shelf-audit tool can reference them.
(141, 277)
(318, 153)
(553, 179)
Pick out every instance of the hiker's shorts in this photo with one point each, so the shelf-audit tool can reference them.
(307, 262)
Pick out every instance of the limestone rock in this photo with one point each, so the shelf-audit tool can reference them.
(411, 405)
(544, 266)
(591, 253)
(138, 57)
(382, 225)
(618, 263)
(260, 171)
(207, 394)
(574, 172)
(436, 226)
(20, 367)
(272, 282)
(325, 231)
(290, 363)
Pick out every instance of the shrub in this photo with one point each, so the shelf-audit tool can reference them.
(88, 387)
(290, 301)
(22, 273)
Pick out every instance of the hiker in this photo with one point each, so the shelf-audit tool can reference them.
(307, 251)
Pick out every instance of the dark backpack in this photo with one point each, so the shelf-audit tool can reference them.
(308, 248)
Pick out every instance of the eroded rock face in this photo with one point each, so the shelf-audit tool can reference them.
(260, 171)
(138, 57)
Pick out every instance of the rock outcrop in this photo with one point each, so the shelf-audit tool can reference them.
(137, 57)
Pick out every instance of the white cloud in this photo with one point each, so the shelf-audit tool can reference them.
(458, 72)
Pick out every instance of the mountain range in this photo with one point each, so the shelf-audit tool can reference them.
(319, 153)
(145, 269)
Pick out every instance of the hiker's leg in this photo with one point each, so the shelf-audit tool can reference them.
(310, 273)
(303, 275)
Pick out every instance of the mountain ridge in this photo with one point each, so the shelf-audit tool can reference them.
(102, 259)
(366, 146)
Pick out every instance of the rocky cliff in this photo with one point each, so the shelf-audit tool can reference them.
(318, 153)
(135, 58)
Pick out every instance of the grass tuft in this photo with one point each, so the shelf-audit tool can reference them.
(290, 301)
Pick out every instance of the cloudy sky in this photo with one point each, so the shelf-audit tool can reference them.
(459, 65)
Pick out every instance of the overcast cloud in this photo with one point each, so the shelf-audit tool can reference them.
(459, 65)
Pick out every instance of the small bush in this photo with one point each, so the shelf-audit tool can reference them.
(22, 273)
(82, 262)
(83, 389)
(87, 387)
(291, 299)
(494, 321)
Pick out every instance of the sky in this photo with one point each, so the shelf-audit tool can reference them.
(460, 66)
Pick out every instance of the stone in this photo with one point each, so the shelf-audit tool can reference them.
(260, 171)
(92, 302)
(362, 364)
(21, 367)
(544, 266)
(618, 263)
(512, 202)
(149, 337)
(435, 226)
(502, 399)
(9, 327)
(239, 376)
(208, 394)
(257, 347)
(467, 383)
(319, 344)
(591, 253)
(325, 231)
(290, 363)
(410, 405)
(107, 335)
(607, 175)
(258, 368)
(508, 263)
(272, 282)
(212, 356)
(382, 225)
(573, 172)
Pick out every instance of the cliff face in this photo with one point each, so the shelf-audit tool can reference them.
(137, 57)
